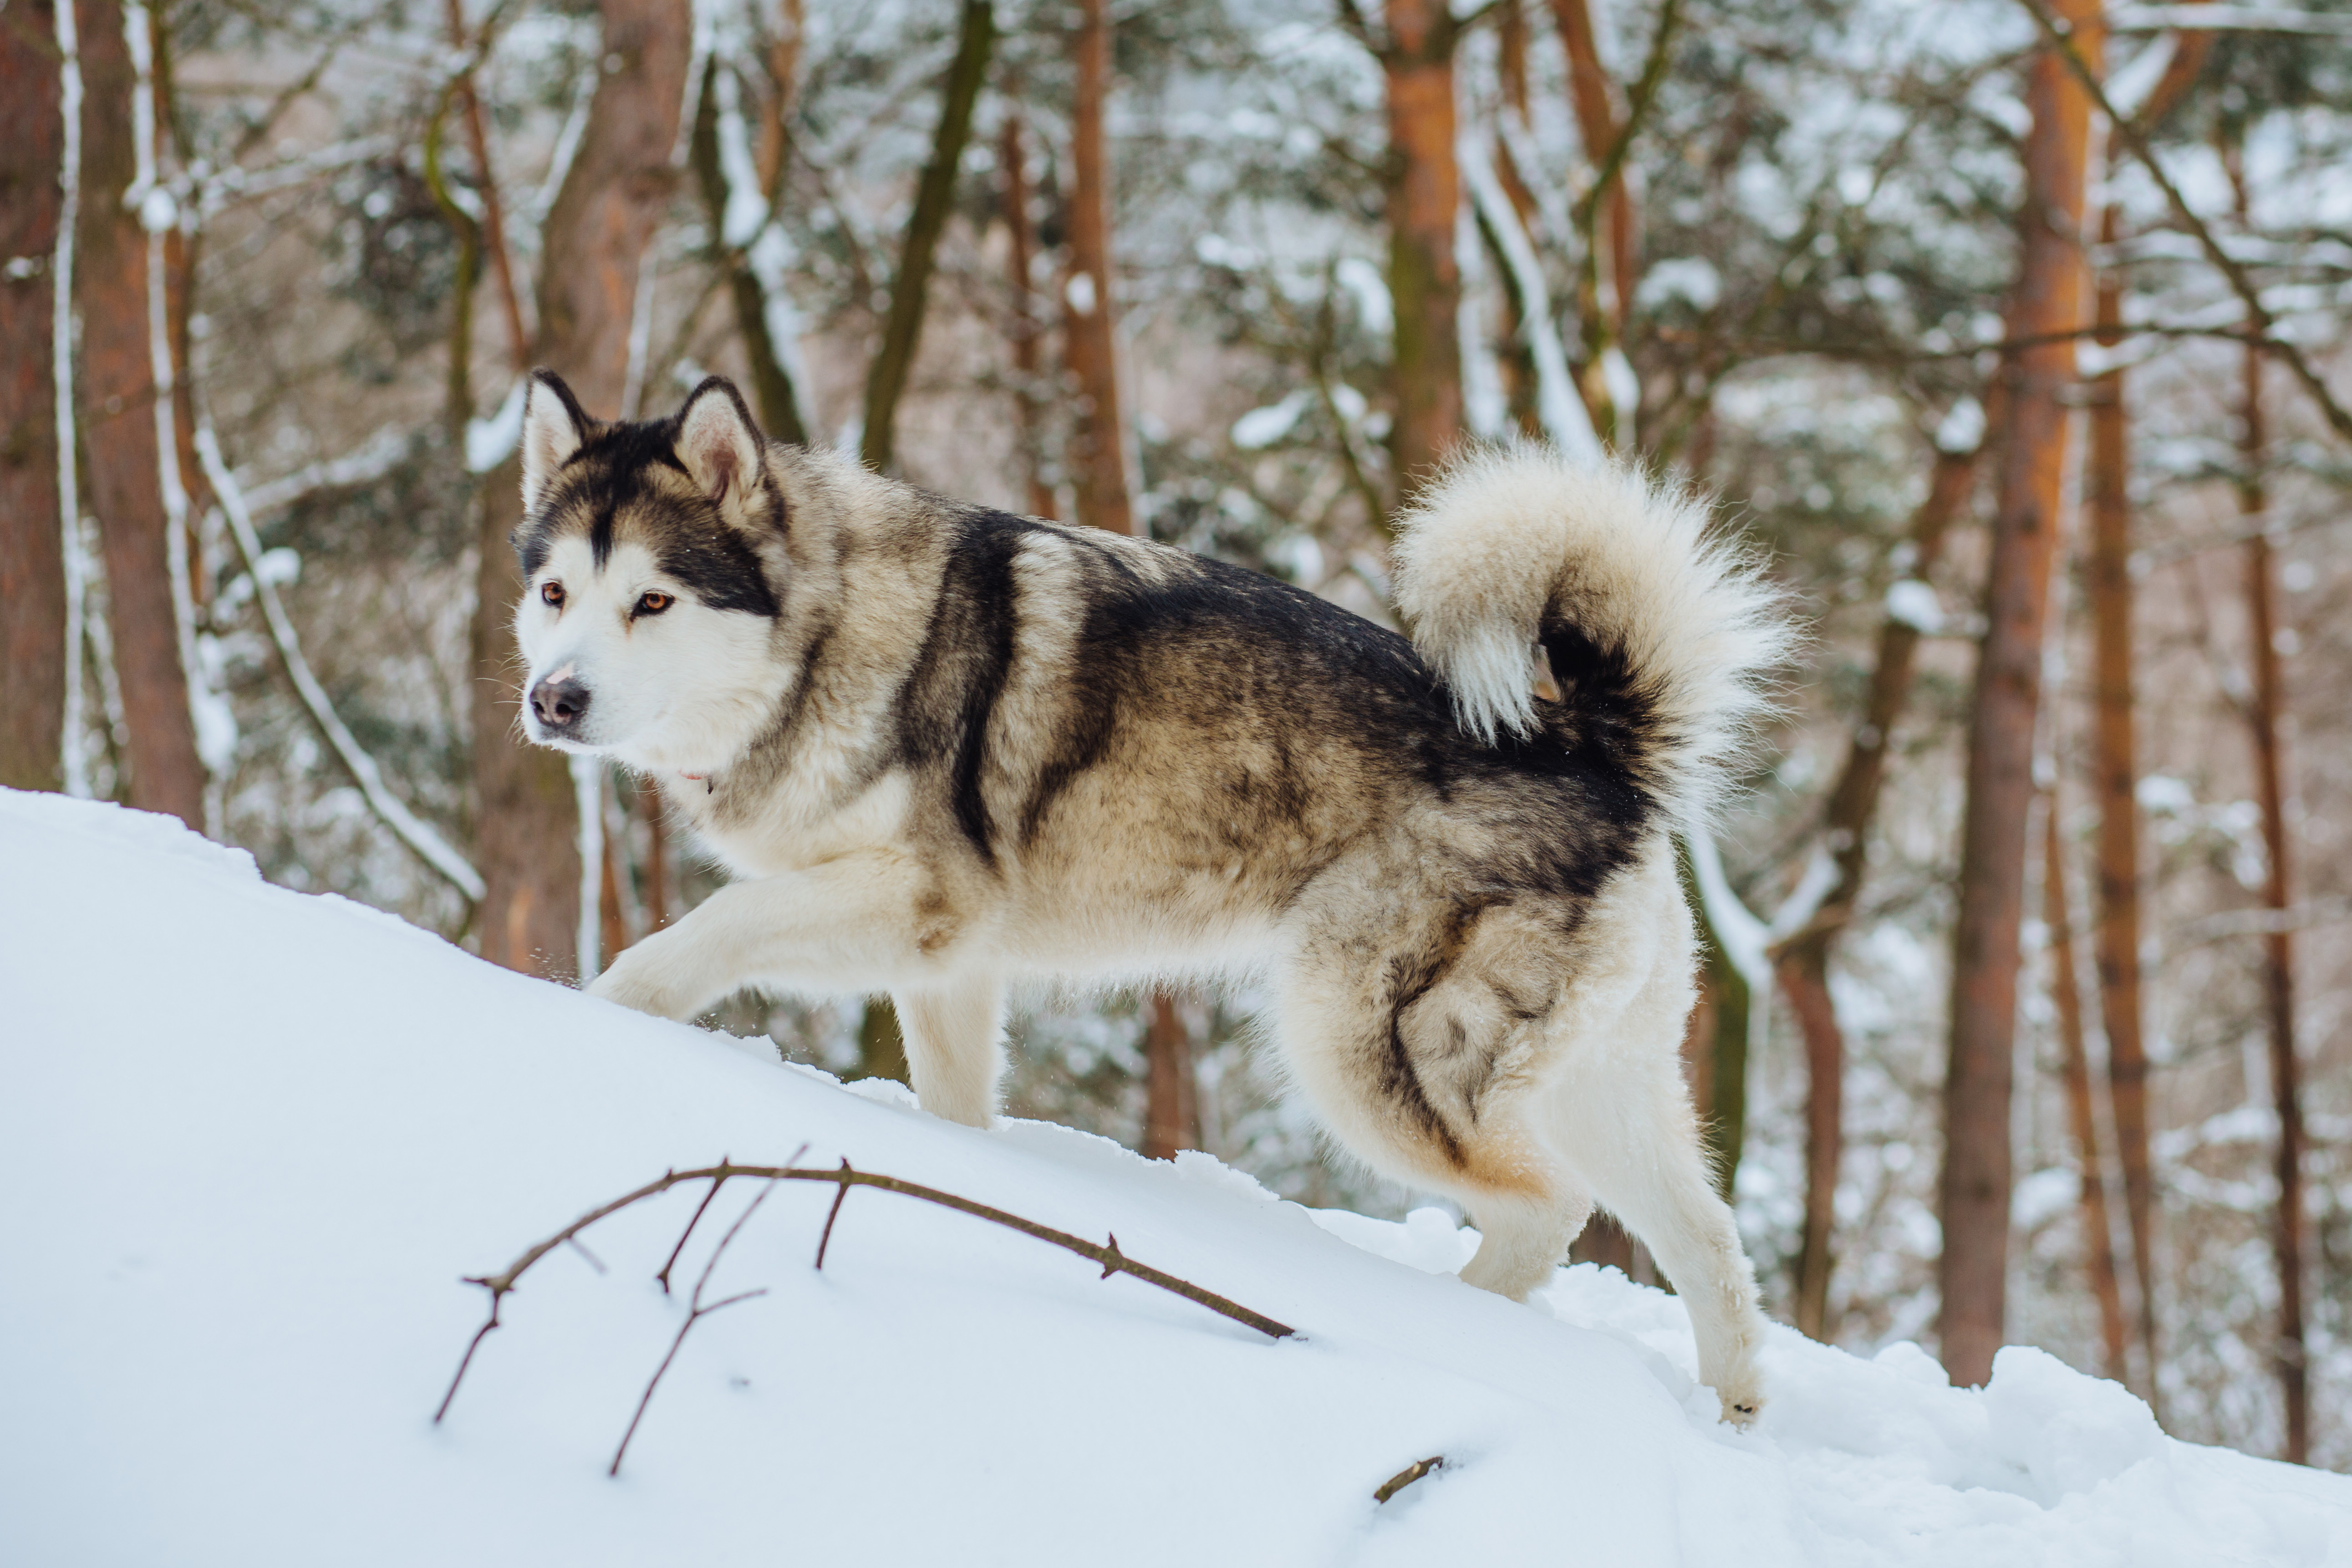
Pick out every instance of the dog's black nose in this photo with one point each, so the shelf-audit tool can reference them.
(559, 703)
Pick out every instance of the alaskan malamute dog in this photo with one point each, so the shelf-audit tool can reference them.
(944, 750)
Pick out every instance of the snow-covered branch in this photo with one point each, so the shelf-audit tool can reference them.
(413, 831)
(1561, 411)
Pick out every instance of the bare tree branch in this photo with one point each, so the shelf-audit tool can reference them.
(695, 1311)
(1113, 1261)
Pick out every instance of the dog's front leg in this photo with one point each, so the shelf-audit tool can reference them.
(848, 925)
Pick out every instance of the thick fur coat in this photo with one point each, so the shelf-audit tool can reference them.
(944, 750)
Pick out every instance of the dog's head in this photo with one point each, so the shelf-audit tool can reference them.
(654, 567)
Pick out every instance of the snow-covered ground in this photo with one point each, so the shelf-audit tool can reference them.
(250, 1140)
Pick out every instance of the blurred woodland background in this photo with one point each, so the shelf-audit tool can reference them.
(2006, 327)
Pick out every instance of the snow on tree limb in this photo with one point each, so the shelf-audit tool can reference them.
(412, 830)
(1557, 404)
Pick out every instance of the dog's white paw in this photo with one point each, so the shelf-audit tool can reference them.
(636, 981)
(1742, 1398)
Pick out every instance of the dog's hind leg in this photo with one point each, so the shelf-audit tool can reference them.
(1523, 1236)
(955, 1045)
(1393, 1084)
(1624, 1116)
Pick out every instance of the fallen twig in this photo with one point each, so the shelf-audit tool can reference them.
(695, 1311)
(1406, 1476)
(841, 1177)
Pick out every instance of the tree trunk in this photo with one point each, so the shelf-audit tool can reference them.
(2066, 990)
(783, 65)
(1028, 358)
(1973, 1273)
(1098, 457)
(1804, 964)
(612, 200)
(1098, 470)
(2114, 776)
(1424, 192)
(1518, 359)
(118, 392)
(2278, 955)
(934, 197)
(1715, 1041)
(32, 542)
(1598, 126)
(773, 393)
(1172, 1111)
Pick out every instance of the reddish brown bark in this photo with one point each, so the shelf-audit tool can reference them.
(117, 398)
(1098, 464)
(2115, 776)
(1028, 356)
(1098, 456)
(1973, 1272)
(1171, 1118)
(32, 547)
(1803, 966)
(784, 81)
(605, 216)
(1424, 192)
(2066, 990)
(1599, 126)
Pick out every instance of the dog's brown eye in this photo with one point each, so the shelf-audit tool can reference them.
(552, 592)
(653, 604)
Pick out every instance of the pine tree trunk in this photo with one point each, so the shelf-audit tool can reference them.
(2278, 945)
(2114, 776)
(1098, 458)
(1804, 964)
(1973, 1273)
(1597, 126)
(2066, 990)
(32, 542)
(1172, 1111)
(1028, 357)
(1424, 192)
(1098, 470)
(118, 392)
(1521, 389)
(894, 361)
(612, 199)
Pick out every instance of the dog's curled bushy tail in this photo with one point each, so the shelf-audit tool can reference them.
(1660, 632)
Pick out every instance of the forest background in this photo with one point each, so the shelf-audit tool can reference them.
(2005, 327)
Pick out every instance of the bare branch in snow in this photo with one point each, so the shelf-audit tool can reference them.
(842, 1177)
(1406, 1476)
(695, 1312)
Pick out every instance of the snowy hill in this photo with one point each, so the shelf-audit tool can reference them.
(251, 1141)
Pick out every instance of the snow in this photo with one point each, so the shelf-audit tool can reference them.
(1915, 605)
(253, 1139)
(1262, 427)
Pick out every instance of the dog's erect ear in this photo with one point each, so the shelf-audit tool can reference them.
(554, 427)
(720, 445)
